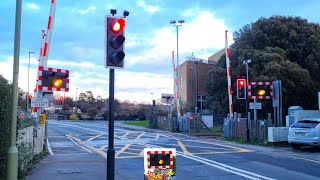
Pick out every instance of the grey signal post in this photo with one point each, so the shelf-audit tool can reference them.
(246, 62)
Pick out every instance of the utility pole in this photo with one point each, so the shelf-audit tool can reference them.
(12, 161)
(246, 62)
(28, 79)
(197, 108)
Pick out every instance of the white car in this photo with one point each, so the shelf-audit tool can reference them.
(305, 132)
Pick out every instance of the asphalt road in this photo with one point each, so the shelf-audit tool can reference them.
(79, 151)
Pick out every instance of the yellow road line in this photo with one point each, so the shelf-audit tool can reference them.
(130, 153)
(90, 139)
(102, 147)
(169, 136)
(129, 157)
(134, 149)
(205, 147)
(122, 150)
(217, 144)
(184, 149)
(125, 135)
(140, 135)
(141, 153)
(103, 154)
(222, 152)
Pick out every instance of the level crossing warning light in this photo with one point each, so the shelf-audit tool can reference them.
(53, 79)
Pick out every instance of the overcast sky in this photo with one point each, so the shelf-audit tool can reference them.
(77, 42)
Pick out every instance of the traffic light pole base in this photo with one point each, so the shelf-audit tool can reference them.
(110, 163)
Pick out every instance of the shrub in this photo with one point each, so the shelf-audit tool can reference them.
(5, 119)
(74, 117)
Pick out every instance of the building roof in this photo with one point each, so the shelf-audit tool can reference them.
(216, 56)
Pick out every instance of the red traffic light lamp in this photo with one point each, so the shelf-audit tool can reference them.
(118, 25)
(241, 89)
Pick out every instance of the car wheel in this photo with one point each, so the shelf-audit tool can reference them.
(295, 146)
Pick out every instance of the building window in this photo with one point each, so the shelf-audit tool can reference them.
(200, 102)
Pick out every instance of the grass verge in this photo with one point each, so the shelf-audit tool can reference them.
(142, 123)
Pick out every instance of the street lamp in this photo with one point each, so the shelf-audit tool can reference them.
(177, 24)
(30, 52)
(246, 62)
(76, 100)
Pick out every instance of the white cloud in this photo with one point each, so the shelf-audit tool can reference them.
(147, 8)
(203, 35)
(131, 43)
(188, 13)
(133, 86)
(90, 9)
(204, 32)
(32, 6)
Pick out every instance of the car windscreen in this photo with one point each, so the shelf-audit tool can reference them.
(305, 124)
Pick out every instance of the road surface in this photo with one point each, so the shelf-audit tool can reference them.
(79, 151)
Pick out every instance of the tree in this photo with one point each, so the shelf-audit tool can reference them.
(92, 112)
(281, 48)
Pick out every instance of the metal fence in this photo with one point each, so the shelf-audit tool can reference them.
(236, 128)
(184, 124)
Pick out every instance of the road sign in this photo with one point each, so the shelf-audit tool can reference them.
(39, 102)
(166, 98)
(255, 106)
(43, 118)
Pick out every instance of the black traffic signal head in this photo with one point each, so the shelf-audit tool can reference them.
(54, 80)
(159, 159)
(241, 89)
(114, 44)
(61, 100)
(29, 99)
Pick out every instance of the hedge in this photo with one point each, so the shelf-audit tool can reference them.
(5, 118)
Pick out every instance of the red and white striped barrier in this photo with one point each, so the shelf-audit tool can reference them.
(160, 167)
(260, 83)
(227, 51)
(44, 49)
(35, 109)
(41, 88)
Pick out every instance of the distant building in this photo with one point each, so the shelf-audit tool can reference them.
(215, 57)
(187, 73)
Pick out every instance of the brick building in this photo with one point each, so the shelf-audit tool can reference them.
(187, 73)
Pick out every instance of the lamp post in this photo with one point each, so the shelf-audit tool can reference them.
(246, 62)
(30, 52)
(191, 86)
(177, 24)
(76, 100)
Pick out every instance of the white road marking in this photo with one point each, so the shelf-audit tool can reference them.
(224, 167)
(79, 127)
(49, 148)
(296, 157)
